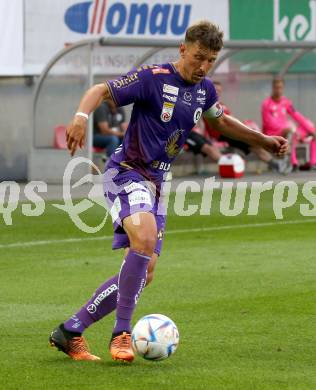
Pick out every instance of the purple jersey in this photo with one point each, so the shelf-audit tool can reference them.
(166, 108)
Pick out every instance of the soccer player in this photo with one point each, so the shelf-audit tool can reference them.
(168, 100)
(276, 110)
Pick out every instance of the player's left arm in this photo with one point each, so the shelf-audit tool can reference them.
(233, 128)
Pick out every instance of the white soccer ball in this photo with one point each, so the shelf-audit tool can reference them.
(155, 337)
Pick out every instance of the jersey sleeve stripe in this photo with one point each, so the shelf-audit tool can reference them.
(111, 92)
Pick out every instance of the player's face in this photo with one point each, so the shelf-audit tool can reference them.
(277, 89)
(197, 61)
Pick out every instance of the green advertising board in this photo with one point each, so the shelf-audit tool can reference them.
(274, 20)
(279, 20)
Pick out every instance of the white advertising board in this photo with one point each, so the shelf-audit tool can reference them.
(11, 37)
(50, 25)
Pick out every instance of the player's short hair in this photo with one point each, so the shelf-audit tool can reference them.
(206, 34)
(277, 80)
(217, 82)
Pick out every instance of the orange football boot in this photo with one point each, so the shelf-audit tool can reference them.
(75, 347)
(121, 348)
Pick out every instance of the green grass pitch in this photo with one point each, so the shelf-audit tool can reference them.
(243, 298)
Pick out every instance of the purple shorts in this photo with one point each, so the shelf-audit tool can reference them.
(126, 193)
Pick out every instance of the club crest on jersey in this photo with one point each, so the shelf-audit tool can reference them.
(172, 148)
(167, 111)
(197, 115)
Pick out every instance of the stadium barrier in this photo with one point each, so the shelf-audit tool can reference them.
(62, 83)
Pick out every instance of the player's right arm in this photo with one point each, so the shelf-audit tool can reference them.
(233, 128)
(76, 130)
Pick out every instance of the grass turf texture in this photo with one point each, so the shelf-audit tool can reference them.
(242, 298)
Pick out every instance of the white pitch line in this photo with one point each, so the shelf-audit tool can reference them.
(249, 225)
(176, 231)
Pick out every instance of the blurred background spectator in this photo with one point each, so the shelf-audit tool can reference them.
(109, 127)
(279, 117)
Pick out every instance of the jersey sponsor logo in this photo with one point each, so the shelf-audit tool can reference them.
(201, 91)
(161, 165)
(160, 70)
(172, 148)
(134, 186)
(201, 100)
(125, 81)
(187, 96)
(170, 98)
(138, 197)
(167, 111)
(197, 115)
(170, 89)
(137, 18)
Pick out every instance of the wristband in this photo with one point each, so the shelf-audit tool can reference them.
(83, 114)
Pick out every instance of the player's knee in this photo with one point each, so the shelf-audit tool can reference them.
(144, 243)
